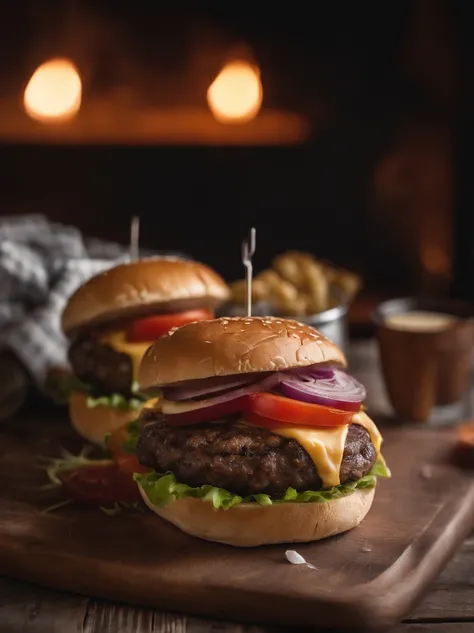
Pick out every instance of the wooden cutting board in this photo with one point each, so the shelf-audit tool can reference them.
(364, 580)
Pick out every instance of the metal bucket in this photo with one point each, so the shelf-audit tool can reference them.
(332, 323)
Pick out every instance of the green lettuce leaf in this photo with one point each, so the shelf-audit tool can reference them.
(63, 386)
(116, 401)
(164, 489)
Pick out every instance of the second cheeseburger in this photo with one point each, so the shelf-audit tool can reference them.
(113, 318)
(259, 436)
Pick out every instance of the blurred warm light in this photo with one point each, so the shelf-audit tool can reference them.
(435, 260)
(235, 95)
(54, 92)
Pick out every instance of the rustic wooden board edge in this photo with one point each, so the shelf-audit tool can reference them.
(397, 591)
(369, 607)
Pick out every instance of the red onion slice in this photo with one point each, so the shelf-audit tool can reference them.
(200, 388)
(191, 389)
(339, 391)
(268, 383)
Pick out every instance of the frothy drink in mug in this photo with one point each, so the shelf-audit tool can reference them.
(420, 321)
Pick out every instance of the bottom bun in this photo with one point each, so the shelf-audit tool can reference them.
(94, 423)
(250, 525)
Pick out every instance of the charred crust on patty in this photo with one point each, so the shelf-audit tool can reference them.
(242, 458)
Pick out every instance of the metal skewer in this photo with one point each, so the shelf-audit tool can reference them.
(248, 249)
(135, 238)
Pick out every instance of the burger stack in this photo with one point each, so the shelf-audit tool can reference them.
(111, 321)
(258, 435)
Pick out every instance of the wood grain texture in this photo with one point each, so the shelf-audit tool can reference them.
(452, 597)
(202, 625)
(26, 607)
(33, 609)
(366, 578)
(100, 617)
(435, 627)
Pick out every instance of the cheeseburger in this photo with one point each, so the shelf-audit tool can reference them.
(113, 318)
(259, 435)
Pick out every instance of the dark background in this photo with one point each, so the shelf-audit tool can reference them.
(381, 186)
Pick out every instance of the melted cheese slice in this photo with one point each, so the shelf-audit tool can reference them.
(152, 404)
(135, 351)
(325, 445)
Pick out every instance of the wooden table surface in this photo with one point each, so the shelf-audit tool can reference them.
(447, 608)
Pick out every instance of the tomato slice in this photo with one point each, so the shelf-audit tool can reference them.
(128, 463)
(151, 328)
(259, 420)
(281, 409)
(208, 414)
(100, 484)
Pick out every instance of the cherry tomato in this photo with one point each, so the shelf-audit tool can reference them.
(126, 462)
(288, 411)
(100, 484)
(207, 414)
(151, 328)
(464, 448)
(466, 434)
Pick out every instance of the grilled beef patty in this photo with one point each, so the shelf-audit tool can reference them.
(101, 366)
(243, 459)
